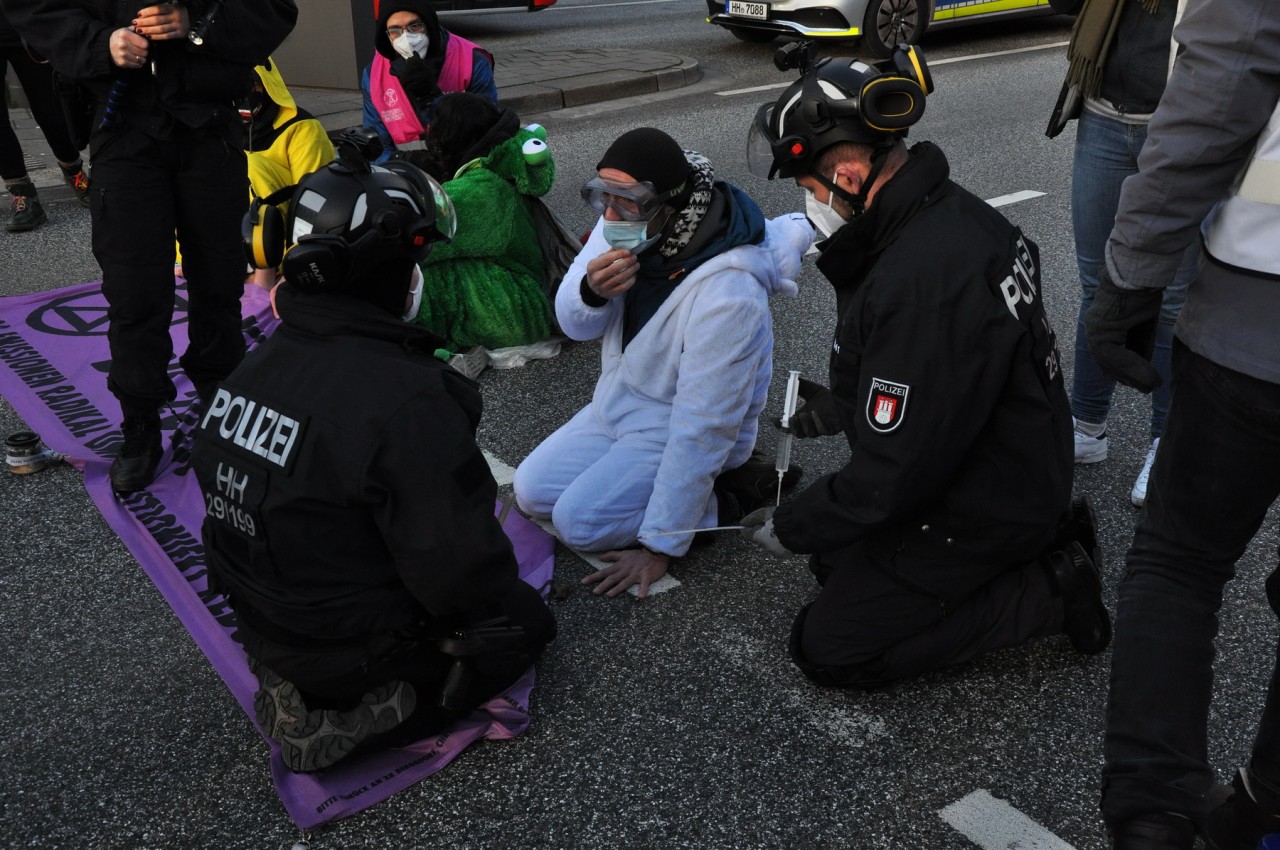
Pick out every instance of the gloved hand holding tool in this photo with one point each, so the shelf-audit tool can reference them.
(757, 527)
(1121, 330)
(818, 416)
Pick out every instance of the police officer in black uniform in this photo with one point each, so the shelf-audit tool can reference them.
(167, 157)
(950, 530)
(350, 513)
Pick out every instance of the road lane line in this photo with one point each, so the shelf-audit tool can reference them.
(933, 63)
(995, 825)
(504, 475)
(1013, 198)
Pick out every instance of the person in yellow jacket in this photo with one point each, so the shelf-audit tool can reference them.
(284, 143)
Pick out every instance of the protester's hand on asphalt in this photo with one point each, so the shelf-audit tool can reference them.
(817, 417)
(757, 527)
(628, 567)
(128, 49)
(1120, 327)
(612, 273)
(162, 21)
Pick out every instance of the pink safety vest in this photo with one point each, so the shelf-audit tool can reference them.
(396, 110)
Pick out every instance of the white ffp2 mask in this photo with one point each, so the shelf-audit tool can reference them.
(410, 43)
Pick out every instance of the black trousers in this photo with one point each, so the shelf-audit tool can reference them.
(1215, 477)
(144, 191)
(37, 84)
(338, 679)
(883, 615)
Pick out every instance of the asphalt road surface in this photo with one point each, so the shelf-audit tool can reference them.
(673, 722)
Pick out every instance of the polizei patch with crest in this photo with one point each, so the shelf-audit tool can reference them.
(886, 405)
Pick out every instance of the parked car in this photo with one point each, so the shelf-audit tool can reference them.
(880, 24)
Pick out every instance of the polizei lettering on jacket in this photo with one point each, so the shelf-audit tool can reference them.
(252, 426)
(1020, 286)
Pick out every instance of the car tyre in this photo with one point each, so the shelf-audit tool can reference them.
(752, 36)
(888, 23)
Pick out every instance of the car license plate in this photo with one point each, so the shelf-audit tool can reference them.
(745, 9)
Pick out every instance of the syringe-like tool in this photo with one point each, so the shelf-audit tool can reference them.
(785, 438)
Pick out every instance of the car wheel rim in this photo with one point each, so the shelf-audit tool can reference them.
(897, 21)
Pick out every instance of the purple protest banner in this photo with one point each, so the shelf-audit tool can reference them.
(53, 362)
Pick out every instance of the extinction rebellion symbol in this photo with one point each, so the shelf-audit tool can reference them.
(886, 405)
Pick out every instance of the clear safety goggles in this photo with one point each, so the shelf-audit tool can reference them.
(631, 201)
(766, 153)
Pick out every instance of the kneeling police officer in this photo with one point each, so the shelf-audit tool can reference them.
(350, 513)
(950, 531)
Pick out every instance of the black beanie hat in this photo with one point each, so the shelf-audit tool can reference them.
(649, 155)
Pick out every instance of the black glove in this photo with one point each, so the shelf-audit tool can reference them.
(1121, 330)
(817, 418)
(419, 79)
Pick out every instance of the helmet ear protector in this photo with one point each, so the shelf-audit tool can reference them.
(323, 262)
(263, 229)
(836, 100)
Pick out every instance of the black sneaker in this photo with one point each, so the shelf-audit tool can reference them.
(79, 182)
(755, 483)
(1237, 820)
(135, 466)
(1074, 577)
(311, 741)
(1154, 831)
(27, 212)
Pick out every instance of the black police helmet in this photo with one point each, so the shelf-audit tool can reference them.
(837, 99)
(358, 231)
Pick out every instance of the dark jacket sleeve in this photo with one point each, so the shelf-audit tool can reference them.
(435, 501)
(955, 365)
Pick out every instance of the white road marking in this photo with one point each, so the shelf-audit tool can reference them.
(847, 726)
(995, 825)
(1005, 200)
(504, 475)
(933, 63)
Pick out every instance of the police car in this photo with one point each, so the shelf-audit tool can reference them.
(880, 24)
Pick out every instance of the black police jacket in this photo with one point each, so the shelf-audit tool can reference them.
(195, 85)
(946, 375)
(344, 491)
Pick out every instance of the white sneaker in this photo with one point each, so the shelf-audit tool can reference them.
(1138, 495)
(1090, 448)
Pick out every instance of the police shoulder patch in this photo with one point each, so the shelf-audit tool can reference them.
(886, 405)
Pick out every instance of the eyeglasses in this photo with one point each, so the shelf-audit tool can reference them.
(417, 28)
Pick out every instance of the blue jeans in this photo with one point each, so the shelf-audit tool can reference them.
(1215, 476)
(1106, 153)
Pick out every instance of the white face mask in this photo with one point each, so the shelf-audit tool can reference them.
(632, 235)
(410, 43)
(823, 216)
(415, 295)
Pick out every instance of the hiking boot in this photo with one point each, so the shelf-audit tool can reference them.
(1240, 813)
(1138, 495)
(1154, 831)
(315, 740)
(79, 183)
(1085, 618)
(27, 212)
(135, 466)
(755, 482)
(1091, 441)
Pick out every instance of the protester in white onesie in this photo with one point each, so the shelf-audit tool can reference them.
(675, 278)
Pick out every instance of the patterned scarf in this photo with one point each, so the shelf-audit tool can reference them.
(688, 219)
(1091, 38)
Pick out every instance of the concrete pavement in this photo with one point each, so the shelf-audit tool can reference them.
(529, 81)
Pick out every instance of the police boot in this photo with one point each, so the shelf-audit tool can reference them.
(1242, 812)
(1074, 578)
(135, 466)
(1080, 524)
(1154, 831)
